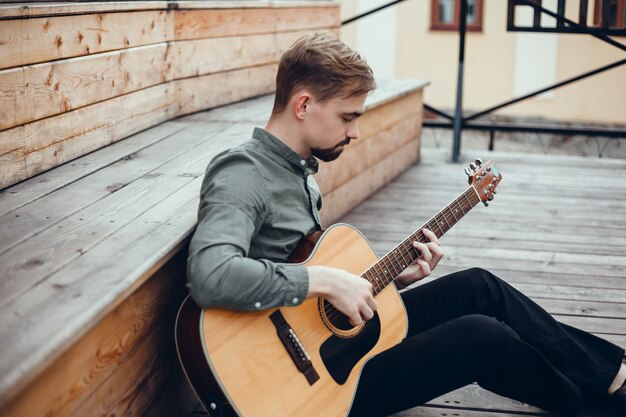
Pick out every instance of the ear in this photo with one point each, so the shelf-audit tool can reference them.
(301, 104)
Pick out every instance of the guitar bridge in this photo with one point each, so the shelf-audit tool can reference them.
(294, 347)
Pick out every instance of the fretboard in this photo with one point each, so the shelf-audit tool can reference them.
(387, 269)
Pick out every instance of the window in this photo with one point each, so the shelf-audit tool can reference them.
(445, 15)
(616, 14)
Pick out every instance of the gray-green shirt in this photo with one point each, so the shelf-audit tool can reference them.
(257, 202)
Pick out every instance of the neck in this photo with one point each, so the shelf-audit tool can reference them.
(387, 269)
(288, 133)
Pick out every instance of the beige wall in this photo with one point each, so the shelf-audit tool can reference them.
(490, 66)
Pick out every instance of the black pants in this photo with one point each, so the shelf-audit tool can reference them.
(473, 327)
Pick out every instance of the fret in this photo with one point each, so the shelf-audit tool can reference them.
(395, 255)
(390, 265)
(373, 279)
(468, 200)
(384, 279)
(432, 229)
(452, 212)
(441, 223)
(387, 269)
(460, 206)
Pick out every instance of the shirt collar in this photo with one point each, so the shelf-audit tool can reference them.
(307, 165)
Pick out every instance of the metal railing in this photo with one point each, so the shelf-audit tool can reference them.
(459, 121)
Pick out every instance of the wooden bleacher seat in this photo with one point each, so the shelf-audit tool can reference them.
(93, 248)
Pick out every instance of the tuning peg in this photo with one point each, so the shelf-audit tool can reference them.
(494, 192)
(467, 172)
(472, 167)
(479, 162)
(486, 204)
(490, 198)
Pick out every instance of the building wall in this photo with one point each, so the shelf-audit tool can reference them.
(499, 65)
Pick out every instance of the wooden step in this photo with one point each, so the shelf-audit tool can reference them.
(76, 78)
(93, 254)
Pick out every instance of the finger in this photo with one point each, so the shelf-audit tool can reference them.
(367, 313)
(425, 267)
(373, 305)
(424, 250)
(435, 249)
(356, 319)
(431, 236)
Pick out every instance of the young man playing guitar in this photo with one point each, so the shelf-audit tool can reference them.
(259, 200)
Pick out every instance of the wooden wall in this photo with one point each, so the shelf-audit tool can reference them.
(77, 77)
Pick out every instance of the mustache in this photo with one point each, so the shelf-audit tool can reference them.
(344, 142)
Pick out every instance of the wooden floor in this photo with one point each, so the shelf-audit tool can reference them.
(556, 230)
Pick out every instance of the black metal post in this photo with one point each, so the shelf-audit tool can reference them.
(458, 114)
(369, 12)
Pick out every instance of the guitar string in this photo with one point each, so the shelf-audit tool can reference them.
(332, 312)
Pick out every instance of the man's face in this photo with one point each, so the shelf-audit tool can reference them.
(332, 124)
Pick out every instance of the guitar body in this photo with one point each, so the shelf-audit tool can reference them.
(239, 357)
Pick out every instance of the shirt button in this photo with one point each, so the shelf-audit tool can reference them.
(303, 162)
(295, 300)
(257, 304)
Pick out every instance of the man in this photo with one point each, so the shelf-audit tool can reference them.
(259, 200)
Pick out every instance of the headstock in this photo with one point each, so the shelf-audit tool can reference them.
(484, 178)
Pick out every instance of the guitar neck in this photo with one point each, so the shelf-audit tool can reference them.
(387, 269)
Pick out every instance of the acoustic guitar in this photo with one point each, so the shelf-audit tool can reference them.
(306, 360)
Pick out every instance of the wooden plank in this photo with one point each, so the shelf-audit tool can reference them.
(432, 411)
(36, 91)
(533, 267)
(90, 289)
(177, 398)
(33, 9)
(341, 200)
(197, 24)
(42, 39)
(510, 210)
(200, 93)
(34, 40)
(599, 326)
(553, 257)
(70, 380)
(20, 224)
(389, 114)
(32, 189)
(358, 159)
(585, 308)
(474, 236)
(255, 110)
(258, 110)
(140, 377)
(474, 397)
(547, 278)
(37, 8)
(206, 56)
(59, 245)
(35, 147)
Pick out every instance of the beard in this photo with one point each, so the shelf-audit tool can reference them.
(330, 154)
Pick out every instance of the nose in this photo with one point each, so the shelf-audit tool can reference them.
(353, 131)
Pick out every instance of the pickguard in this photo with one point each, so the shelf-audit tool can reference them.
(340, 355)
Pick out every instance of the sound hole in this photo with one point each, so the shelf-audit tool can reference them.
(336, 317)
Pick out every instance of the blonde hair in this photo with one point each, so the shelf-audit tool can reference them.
(326, 66)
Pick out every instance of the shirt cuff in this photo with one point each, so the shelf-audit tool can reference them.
(298, 284)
